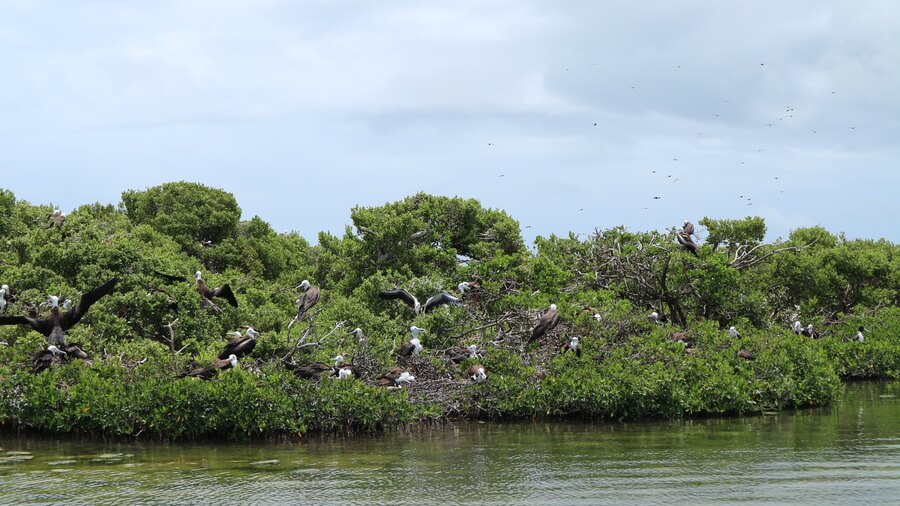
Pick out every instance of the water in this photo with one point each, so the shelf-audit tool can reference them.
(845, 454)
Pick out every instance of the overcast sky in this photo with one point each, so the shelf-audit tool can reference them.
(557, 112)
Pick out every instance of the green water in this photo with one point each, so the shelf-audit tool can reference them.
(845, 454)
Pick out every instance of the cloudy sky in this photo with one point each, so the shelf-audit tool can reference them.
(558, 112)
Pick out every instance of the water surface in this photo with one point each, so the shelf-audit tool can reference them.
(845, 454)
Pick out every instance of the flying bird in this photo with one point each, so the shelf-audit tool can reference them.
(53, 327)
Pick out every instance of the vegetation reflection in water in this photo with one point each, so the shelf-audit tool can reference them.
(846, 454)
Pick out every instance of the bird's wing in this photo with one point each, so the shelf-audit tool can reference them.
(440, 299)
(399, 293)
(169, 277)
(42, 325)
(72, 317)
(225, 292)
(406, 349)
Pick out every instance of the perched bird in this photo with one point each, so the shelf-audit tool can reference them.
(476, 374)
(687, 228)
(3, 302)
(797, 328)
(573, 345)
(413, 347)
(654, 317)
(395, 377)
(53, 327)
(211, 370)
(359, 334)
(681, 337)
(206, 294)
(809, 332)
(308, 300)
(688, 243)
(548, 321)
(56, 218)
(459, 353)
(240, 345)
(734, 333)
(746, 355)
(347, 371)
(859, 334)
(43, 359)
(313, 370)
(388, 379)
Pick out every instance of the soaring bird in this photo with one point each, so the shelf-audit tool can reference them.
(240, 345)
(548, 321)
(734, 333)
(206, 294)
(440, 299)
(211, 370)
(413, 347)
(573, 345)
(476, 373)
(53, 327)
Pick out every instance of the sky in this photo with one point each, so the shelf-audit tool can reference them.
(570, 116)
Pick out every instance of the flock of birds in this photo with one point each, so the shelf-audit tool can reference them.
(63, 316)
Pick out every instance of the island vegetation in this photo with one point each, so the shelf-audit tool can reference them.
(684, 362)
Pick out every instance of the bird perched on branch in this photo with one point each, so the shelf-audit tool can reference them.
(688, 243)
(860, 338)
(240, 345)
(53, 327)
(734, 333)
(57, 218)
(548, 322)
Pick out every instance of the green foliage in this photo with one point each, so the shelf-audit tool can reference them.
(187, 212)
(629, 367)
